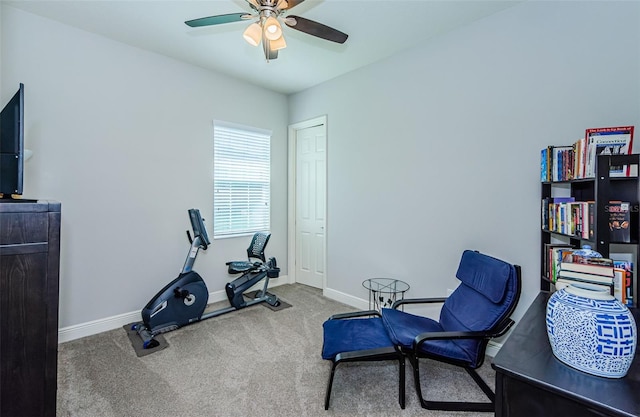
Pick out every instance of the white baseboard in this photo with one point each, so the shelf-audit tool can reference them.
(493, 348)
(347, 299)
(67, 334)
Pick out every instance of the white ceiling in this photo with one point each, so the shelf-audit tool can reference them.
(377, 29)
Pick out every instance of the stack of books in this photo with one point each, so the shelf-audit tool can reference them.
(597, 272)
(562, 268)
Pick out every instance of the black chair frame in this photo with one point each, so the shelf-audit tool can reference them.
(415, 354)
(380, 354)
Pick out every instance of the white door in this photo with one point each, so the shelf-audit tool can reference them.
(310, 205)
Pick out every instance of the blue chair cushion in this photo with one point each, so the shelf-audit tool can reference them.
(484, 274)
(348, 335)
(404, 327)
(487, 290)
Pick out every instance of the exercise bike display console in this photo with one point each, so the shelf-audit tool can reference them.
(184, 300)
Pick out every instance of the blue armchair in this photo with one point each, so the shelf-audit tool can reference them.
(476, 312)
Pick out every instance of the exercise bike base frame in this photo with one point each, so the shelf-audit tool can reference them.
(169, 303)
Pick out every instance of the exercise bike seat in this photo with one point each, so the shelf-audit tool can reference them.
(255, 251)
(237, 267)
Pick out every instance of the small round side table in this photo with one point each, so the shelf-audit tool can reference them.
(383, 292)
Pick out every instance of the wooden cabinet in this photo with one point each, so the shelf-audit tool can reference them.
(29, 269)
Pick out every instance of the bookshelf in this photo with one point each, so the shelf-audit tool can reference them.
(601, 190)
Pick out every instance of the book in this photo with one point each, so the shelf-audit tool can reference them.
(554, 213)
(564, 163)
(619, 219)
(545, 164)
(575, 219)
(608, 141)
(544, 212)
(556, 254)
(548, 257)
(563, 282)
(586, 277)
(561, 163)
(619, 290)
(585, 214)
(576, 257)
(592, 219)
(548, 247)
(580, 156)
(589, 268)
(627, 267)
(567, 216)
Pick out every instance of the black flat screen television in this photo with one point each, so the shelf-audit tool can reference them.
(12, 145)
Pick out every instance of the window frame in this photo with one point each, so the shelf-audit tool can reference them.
(241, 168)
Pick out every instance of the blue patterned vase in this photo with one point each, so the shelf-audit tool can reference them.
(590, 330)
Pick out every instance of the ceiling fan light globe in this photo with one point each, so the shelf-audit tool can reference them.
(253, 34)
(278, 44)
(272, 29)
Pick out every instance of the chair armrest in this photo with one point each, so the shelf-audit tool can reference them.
(489, 334)
(418, 301)
(355, 314)
(377, 354)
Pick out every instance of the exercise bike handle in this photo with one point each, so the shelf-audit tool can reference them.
(203, 244)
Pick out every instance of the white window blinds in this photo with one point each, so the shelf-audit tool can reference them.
(241, 180)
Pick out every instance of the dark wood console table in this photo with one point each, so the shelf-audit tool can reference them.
(530, 381)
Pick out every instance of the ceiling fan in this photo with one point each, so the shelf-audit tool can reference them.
(267, 28)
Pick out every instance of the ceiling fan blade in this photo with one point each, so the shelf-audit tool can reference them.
(254, 4)
(316, 29)
(218, 20)
(291, 4)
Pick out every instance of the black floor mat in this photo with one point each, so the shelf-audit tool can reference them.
(136, 342)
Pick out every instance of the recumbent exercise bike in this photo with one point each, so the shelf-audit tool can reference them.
(184, 299)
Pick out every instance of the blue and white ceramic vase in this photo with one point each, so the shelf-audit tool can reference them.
(586, 252)
(590, 330)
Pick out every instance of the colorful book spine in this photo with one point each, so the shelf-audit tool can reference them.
(627, 267)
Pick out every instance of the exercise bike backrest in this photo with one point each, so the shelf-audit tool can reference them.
(254, 251)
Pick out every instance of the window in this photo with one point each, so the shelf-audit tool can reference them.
(241, 180)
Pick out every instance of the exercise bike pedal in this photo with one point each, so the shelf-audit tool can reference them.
(148, 342)
(272, 300)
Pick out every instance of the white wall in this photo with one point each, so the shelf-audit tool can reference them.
(436, 150)
(430, 152)
(123, 138)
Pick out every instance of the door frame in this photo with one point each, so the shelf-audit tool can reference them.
(293, 172)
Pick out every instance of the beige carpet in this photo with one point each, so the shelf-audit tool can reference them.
(251, 362)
